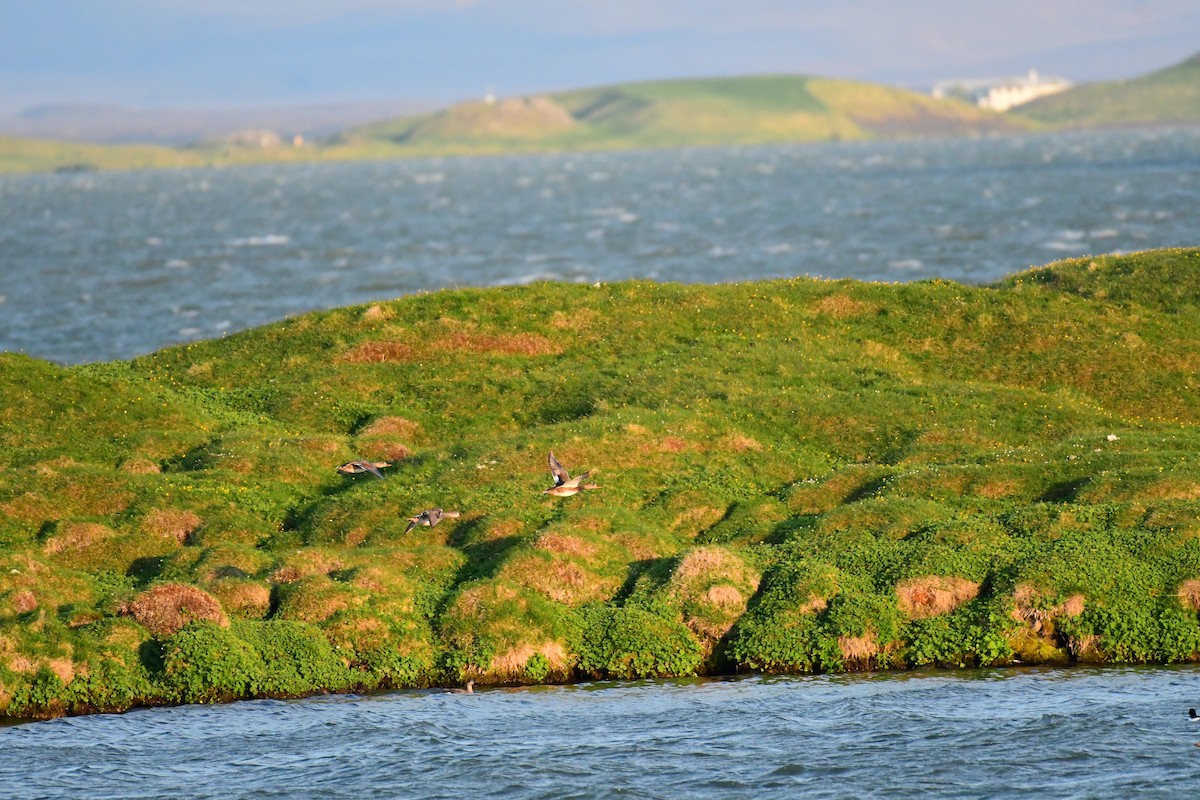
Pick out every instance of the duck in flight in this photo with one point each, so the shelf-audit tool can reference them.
(359, 467)
(564, 484)
(430, 517)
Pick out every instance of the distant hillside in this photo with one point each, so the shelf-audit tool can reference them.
(41, 155)
(672, 113)
(1171, 95)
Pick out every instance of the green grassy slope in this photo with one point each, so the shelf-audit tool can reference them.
(771, 108)
(1170, 95)
(795, 475)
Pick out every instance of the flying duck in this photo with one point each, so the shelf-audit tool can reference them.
(430, 517)
(564, 484)
(359, 467)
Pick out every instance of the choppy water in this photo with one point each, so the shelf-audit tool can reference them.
(974, 734)
(108, 265)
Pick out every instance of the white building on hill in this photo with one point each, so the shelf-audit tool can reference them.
(1004, 93)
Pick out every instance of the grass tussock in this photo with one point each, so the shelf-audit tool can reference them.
(166, 608)
(930, 596)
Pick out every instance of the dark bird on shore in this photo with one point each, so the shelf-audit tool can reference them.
(430, 517)
(564, 484)
(469, 690)
(1193, 716)
(359, 467)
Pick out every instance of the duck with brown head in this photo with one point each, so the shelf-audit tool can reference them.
(564, 484)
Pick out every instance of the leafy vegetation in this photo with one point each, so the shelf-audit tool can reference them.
(797, 475)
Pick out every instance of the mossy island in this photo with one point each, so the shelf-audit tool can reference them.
(794, 476)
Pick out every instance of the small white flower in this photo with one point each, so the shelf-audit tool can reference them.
(1112, 437)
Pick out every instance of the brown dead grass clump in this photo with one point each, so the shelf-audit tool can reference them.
(316, 598)
(376, 313)
(499, 344)
(77, 536)
(24, 601)
(841, 306)
(1172, 489)
(1029, 607)
(559, 578)
(98, 497)
(303, 563)
(578, 319)
(503, 529)
(933, 595)
(384, 449)
(242, 598)
(713, 585)
(1189, 594)
(378, 353)
(511, 663)
(697, 519)
(859, 650)
(565, 544)
(392, 426)
(738, 443)
(140, 466)
(672, 444)
(815, 604)
(167, 607)
(705, 561)
(30, 507)
(994, 490)
(726, 597)
(173, 524)
(64, 668)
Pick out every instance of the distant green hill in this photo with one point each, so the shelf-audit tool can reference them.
(745, 110)
(1171, 95)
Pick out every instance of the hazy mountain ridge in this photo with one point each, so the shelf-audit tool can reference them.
(690, 112)
(706, 111)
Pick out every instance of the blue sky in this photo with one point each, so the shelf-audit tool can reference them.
(218, 53)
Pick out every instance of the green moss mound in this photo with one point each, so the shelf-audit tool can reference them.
(792, 476)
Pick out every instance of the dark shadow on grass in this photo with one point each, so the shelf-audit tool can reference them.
(1064, 491)
(151, 655)
(144, 570)
(197, 458)
(483, 555)
(657, 569)
(786, 530)
(867, 490)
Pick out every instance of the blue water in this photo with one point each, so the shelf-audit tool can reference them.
(972, 734)
(111, 265)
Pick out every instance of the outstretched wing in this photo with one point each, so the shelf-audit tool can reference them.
(561, 476)
(371, 468)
